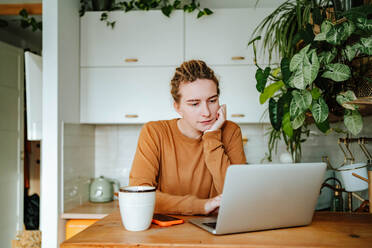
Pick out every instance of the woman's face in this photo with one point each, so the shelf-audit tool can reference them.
(198, 104)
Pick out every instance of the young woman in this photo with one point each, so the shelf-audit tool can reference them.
(186, 158)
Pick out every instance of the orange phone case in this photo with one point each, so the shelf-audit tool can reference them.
(167, 223)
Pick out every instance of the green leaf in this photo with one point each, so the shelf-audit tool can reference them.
(200, 14)
(261, 78)
(167, 10)
(326, 26)
(253, 40)
(320, 36)
(286, 125)
(349, 52)
(286, 73)
(296, 62)
(304, 50)
(364, 24)
(319, 110)
(275, 113)
(327, 57)
(337, 72)
(297, 80)
(270, 90)
(208, 11)
(297, 59)
(298, 121)
(23, 13)
(353, 121)
(334, 35)
(344, 97)
(310, 68)
(367, 45)
(315, 93)
(104, 16)
(323, 126)
(176, 4)
(348, 28)
(301, 101)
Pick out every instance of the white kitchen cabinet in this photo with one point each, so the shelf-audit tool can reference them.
(126, 95)
(139, 38)
(238, 92)
(222, 38)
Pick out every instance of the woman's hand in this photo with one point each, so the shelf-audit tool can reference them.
(221, 118)
(212, 204)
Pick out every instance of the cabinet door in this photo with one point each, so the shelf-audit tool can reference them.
(126, 95)
(238, 92)
(222, 38)
(138, 38)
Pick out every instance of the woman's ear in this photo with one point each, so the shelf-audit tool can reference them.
(176, 107)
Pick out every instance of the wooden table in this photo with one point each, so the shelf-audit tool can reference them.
(327, 230)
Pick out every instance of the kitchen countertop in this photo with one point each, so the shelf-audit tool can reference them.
(90, 210)
(327, 229)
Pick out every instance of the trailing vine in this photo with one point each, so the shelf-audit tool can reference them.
(25, 22)
(28, 21)
(166, 7)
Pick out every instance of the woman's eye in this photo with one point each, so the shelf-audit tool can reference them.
(213, 100)
(194, 104)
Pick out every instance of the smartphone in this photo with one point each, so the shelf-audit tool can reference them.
(165, 220)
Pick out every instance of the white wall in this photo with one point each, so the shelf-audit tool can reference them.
(60, 71)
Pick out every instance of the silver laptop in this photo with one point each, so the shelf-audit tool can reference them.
(266, 196)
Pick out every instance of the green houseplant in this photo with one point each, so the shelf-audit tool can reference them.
(318, 80)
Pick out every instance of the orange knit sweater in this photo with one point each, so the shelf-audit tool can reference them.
(185, 171)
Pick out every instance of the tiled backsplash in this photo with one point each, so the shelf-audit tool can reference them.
(78, 163)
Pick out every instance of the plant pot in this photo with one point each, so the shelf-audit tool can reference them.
(352, 183)
(101, 5)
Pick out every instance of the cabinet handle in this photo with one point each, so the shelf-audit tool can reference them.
(237, 58)
(238, 115)
(245, 140)
(132, 60)
(131, 116)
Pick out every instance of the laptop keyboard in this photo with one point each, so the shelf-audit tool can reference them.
(211, 224)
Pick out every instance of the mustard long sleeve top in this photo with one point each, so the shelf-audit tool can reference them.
(185, 171)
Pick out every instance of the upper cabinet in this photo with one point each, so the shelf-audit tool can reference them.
(125, 95)
(125, 71)
(238, 92)
(139, 38)
(222, 38)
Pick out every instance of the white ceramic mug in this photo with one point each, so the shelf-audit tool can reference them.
(137, 205)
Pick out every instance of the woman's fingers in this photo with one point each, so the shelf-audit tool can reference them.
(212, 204)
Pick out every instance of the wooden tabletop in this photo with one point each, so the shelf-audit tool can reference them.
(90, 210)
(327, 230)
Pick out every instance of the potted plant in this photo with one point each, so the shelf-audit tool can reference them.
(321, 78)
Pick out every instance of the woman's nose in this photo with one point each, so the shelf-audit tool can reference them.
(205, 110)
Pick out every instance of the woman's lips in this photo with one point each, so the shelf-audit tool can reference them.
(206, 122)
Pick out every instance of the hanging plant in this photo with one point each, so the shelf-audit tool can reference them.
(166, 7)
